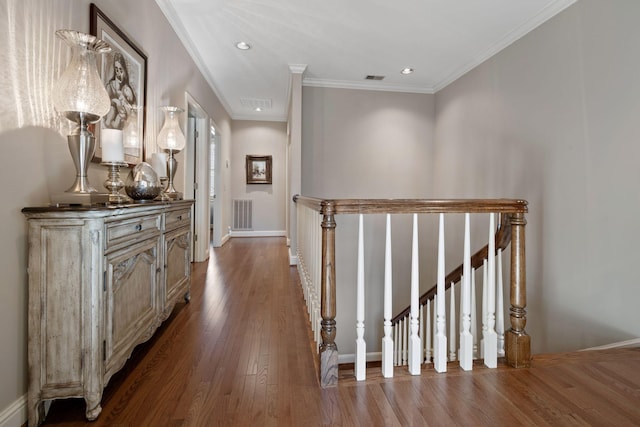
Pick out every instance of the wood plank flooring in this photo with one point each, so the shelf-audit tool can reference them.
(240, 355)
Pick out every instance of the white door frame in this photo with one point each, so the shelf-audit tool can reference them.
(216, 240)
(196, 175)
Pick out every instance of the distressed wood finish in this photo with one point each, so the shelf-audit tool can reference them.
(101, 281)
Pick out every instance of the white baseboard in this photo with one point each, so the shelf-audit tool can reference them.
(622, 344)
(15, 414)
(274, 233)
(351, 358)
(224, 239)
(293, 259)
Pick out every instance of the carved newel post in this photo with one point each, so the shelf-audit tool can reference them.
(328, 348)
(517, 342)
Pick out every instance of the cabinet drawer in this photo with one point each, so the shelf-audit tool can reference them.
(132, 229)
(176, 219)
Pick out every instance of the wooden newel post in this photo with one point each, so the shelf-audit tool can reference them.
(328, 348)
(517, 342)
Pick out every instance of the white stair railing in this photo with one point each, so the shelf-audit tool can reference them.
(387, 340)
(466, 337)
(415, 346)
(414, 337)
(361, 345)
(309, 263)
(434, 329)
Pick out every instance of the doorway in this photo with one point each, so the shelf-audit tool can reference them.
(215, 208)
(196, 176)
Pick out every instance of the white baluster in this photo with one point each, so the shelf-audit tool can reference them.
(440, 339)
(401, 343)
(387, 341)
(466, 339)
(318, 283)
(421, 332)
(484, 306)
(427, 345)
(474, 314)
(452, 323)
(396, 340)
(405, 340)
(361, 345)
(490, 337)
(500, 305)
(415, 343)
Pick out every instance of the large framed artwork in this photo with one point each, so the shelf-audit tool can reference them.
(258, 169)
(124, 74)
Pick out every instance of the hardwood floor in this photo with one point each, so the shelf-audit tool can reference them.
(240, 354)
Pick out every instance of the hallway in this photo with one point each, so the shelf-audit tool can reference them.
(239, 354)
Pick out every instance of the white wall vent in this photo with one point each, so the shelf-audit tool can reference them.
(243, 214)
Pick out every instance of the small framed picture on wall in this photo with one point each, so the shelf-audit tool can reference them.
(258, 169)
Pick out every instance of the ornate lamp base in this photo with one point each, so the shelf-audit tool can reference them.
(114, 184)
(172, 165)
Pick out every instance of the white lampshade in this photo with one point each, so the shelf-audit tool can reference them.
(171, 136)
(80, 91)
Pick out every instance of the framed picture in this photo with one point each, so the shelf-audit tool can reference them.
(258, 169)
(124, 74)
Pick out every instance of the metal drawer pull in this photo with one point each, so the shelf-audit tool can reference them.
(139, 227)
(179, 218)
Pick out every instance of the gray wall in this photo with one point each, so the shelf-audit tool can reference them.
(261, 138)
(554, 119)
(365, 144)
(33, 138)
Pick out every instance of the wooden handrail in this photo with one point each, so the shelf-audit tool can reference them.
(400, 206)
(503, 238)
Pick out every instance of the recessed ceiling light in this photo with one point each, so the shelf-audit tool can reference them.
(243, 45)
(257, 109)
(406, 71)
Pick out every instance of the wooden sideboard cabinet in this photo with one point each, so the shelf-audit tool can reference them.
(101, 281)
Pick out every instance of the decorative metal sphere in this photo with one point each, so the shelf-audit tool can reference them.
(142, 183)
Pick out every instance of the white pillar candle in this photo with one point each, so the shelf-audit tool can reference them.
(159, 164)
(112, 146)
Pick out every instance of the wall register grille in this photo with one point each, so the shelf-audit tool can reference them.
(243, 215)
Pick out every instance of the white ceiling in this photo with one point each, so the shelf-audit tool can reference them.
(342, 41)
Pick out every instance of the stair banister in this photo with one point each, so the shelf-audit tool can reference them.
(517, 342)
(328, 347)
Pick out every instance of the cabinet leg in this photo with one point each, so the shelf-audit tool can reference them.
(35, 415)
(187, 297)
(93, 409)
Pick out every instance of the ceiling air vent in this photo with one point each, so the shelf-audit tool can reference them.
(372, 77)
(253, 103)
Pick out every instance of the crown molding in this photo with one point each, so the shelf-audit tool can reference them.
(543, 16)
(297, 68)
(258, 117)
(169, 13)
(377, 86)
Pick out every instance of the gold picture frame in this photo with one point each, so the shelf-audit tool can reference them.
(258, 169)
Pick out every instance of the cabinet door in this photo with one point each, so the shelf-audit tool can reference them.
(131, 300)
(177, 249)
